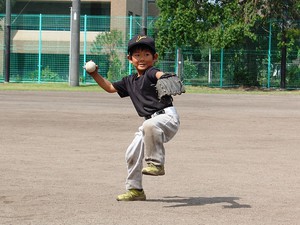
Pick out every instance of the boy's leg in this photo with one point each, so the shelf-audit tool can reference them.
(157, 131)
(134, 159)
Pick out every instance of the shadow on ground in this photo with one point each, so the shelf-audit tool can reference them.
(177, 201)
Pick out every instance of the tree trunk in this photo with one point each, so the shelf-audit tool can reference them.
(283, 61)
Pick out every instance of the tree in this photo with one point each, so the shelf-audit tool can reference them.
(285, 12)
(108, 44)
(175, 24)
(2, 10)
(196, 22)
(219, 24)
(203, 24)
(2, 5)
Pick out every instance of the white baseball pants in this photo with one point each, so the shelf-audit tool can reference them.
(149, 140)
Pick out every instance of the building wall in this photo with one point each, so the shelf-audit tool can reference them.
(61, 7)
(118, 7)
(134, 7)
(153, 10)
(118, 10)
(58, 42)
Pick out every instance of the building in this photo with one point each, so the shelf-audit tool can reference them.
(41, 29)
(88, 7)
(25, 29)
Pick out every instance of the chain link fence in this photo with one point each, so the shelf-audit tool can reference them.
(40, 51)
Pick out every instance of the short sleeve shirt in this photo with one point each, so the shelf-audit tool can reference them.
(142, 92)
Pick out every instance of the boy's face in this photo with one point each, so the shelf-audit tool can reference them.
(142, 59)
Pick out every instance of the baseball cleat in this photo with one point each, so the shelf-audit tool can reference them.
(153, 170)
(132, 195)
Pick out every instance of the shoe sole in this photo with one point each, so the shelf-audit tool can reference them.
(131, 200)
(153, 174)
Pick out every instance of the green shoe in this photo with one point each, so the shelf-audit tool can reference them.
(153, 170)
(132, 195)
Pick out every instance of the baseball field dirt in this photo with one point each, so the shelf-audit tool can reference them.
(235, 160)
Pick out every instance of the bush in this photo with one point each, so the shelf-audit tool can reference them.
(46, 75)
(293, 76)
(190, 70)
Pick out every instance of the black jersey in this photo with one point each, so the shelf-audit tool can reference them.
(142, 92)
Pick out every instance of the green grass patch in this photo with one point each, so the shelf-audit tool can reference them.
(96, 88)
(48, 87)
(240, 90)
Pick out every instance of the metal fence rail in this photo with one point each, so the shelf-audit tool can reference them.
(40, 50)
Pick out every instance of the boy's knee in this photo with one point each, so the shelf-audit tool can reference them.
(148, 126)
(151, 129)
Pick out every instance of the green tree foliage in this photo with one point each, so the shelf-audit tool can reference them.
(2, 5)
(219, 23)
(194, 22)
(176, 24)
(2, 10)
(284, 11)
(227, 24)
(109, 44)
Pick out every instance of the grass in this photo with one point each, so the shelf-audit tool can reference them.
(47, 87)
(96, 88)
(241, 90)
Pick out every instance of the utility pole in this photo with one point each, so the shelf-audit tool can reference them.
(7, 40)
(144, 15)
(75, 44)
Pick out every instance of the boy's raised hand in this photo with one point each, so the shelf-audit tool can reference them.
(91, 67)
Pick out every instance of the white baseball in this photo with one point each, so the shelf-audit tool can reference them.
(90, 66)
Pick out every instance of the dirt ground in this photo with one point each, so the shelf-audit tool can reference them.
(235, 160)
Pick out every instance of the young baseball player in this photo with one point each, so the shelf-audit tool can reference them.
(161, 118)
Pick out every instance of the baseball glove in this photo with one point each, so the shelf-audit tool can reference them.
(169, 84)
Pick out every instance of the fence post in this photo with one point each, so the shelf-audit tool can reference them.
(209, 66)
(221, 67)
(178, 63)
(40, 51)
(130, 36)
(269, 53)
(222, 60)
(84, 47)
(7, 40)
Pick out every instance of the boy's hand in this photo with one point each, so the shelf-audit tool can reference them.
(90, 67)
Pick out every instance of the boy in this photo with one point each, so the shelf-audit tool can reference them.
(161, 119)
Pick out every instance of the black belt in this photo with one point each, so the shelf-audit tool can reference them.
(162, 111)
